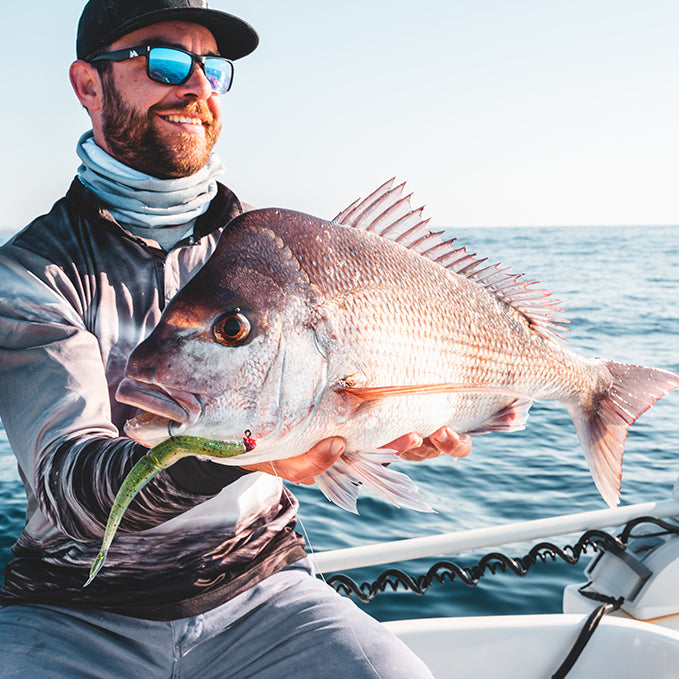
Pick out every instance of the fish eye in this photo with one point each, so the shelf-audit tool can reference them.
(232, 328)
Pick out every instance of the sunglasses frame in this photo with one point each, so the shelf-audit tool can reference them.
(145, 51)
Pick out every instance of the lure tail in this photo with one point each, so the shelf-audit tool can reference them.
(602, 428)
(146, 469)
(161, 457)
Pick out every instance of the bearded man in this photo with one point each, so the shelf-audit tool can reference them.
(207, 577)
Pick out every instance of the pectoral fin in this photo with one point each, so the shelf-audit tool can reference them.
(361, 397)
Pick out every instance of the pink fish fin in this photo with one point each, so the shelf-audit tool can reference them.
(344, 216)
(341, 483)
(386, 212)
(361, 397)
(339, 487)
(389, 214)
(511, 418)
(602, 428)
(360, 210)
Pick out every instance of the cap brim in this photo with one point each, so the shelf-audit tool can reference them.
(235, 38)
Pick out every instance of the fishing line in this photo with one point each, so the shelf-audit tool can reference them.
(291, 498)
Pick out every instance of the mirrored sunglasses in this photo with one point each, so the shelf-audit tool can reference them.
(173, 66)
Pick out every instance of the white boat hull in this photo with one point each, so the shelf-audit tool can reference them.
(534, 646)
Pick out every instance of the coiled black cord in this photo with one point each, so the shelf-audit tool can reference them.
(497, 562)
(492, 563)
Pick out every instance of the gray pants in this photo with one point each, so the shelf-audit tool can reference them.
(290, 625)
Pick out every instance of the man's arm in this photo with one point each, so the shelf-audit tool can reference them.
(56, 409)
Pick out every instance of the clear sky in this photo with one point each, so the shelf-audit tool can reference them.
(496, 112)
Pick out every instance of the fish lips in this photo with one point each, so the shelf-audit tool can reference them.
(175, 405)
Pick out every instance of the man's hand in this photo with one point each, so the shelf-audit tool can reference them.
(303, 468)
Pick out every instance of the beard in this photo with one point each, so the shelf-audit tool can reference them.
(134, 140)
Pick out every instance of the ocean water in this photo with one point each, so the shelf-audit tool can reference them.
(619, 288)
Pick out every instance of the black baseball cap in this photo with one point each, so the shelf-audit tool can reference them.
(104, 21)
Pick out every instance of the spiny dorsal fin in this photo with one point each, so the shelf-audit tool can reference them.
(388, 213)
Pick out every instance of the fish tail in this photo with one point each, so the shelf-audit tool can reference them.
(602, 426)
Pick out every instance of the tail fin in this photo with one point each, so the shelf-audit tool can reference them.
(602, 430)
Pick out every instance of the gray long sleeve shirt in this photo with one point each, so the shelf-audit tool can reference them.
(77, 294)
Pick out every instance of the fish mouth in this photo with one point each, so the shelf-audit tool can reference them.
(174, 405)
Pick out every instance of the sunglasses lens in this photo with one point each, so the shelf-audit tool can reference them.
(173, 67)
(220, 74)
(169, 66)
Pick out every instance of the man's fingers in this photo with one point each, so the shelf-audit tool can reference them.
(405, 442)
(443, 441)
(451, 443)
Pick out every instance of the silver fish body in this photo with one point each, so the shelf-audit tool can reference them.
(368, 327)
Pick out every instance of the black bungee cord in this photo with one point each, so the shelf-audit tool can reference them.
(496, 562)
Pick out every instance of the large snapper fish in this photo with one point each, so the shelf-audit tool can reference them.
(366, 327)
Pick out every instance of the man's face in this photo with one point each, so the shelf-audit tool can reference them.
(162, 130)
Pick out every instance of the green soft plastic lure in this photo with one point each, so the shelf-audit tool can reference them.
(161, 457)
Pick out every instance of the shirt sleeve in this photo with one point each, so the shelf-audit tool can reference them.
(56, 410)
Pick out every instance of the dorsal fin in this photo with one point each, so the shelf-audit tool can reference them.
(389, 214)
